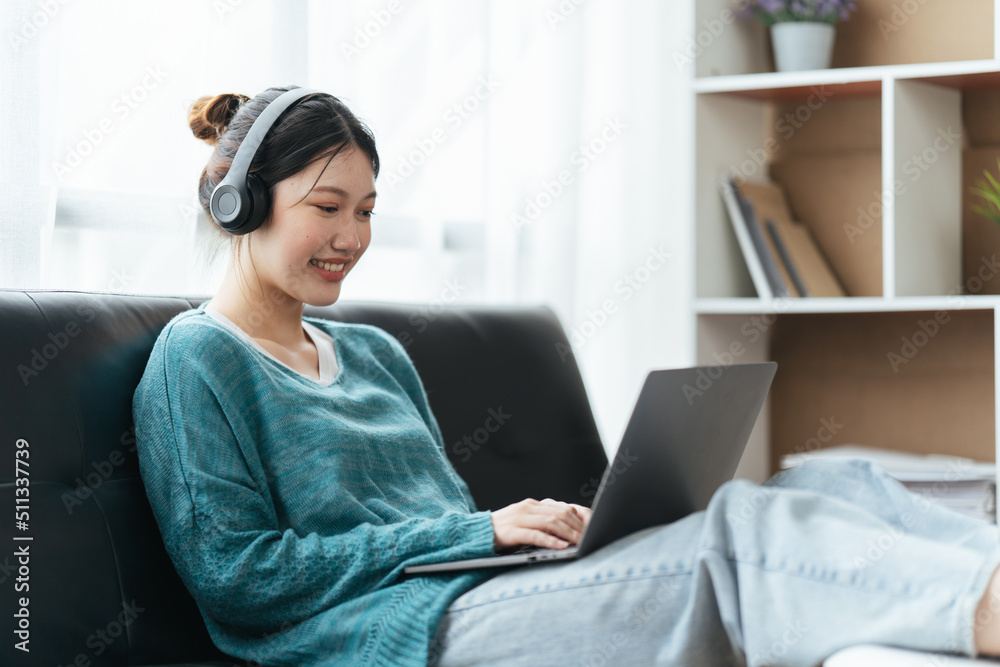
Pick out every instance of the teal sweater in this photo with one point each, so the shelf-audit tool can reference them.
(289, 509)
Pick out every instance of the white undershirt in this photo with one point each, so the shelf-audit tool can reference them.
(328, 367)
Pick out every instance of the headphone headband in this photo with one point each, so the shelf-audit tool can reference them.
(240, 203)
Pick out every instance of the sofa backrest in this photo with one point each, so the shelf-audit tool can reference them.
(99, 587)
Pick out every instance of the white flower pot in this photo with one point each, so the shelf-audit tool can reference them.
(801, 45)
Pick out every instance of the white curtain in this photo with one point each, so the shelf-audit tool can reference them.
(565, 133)
(27, 207)
(555, 168)
(590, 147)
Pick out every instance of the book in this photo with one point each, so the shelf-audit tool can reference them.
(786, 259)
(825, 189)
(804, 256)
(773, 269)
(962, 485)
(736, 208)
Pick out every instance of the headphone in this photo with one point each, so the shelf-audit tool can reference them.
(240, 203)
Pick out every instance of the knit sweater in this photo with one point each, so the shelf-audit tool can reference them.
(289, 508)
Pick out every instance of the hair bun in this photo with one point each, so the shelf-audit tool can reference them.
(210, 116)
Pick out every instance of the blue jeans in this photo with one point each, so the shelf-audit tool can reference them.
(818, 558)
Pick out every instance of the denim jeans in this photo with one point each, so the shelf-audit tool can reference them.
(816, 559)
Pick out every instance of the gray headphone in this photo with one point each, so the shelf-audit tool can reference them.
(240, 203)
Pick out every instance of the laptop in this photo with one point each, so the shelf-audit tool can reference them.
(684, 439)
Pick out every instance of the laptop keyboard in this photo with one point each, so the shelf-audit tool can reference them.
(531, 548)
(527, 548)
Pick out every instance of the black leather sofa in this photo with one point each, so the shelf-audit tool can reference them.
(96, 586)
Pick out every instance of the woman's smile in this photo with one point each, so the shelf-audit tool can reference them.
(329, 271)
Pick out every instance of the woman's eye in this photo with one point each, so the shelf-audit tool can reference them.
(328, 209)
(368, 214)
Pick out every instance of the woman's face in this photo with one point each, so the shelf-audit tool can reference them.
(314, 227)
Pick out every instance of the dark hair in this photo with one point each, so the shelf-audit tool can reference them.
(317, 126)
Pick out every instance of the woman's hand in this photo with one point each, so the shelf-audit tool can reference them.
(546, 523)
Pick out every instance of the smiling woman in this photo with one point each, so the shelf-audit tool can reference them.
(317, 179)
(313, 218)
(295, 470)
(305, 563)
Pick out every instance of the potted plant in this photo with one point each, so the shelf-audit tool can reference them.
(989, 191)
(802, 31)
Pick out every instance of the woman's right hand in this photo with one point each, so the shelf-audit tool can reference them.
(547, 523)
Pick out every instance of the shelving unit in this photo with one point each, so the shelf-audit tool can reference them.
(876, 155)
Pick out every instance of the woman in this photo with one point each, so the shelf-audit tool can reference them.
(295, 468)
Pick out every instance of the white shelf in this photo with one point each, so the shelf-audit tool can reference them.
(777, 81)
(752, 305)
(917, 364)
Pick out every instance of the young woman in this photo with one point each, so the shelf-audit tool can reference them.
(295, 468)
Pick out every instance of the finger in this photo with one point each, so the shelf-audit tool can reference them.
(565, 525)
(559, 518)
(582, 511)
(573, 517)
(568, 514)
(540, 538)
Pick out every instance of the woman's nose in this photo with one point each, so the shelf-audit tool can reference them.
(346, 237)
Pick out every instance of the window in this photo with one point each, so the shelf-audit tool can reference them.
(126, 165)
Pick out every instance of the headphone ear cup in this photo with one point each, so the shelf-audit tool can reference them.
(260, 204)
